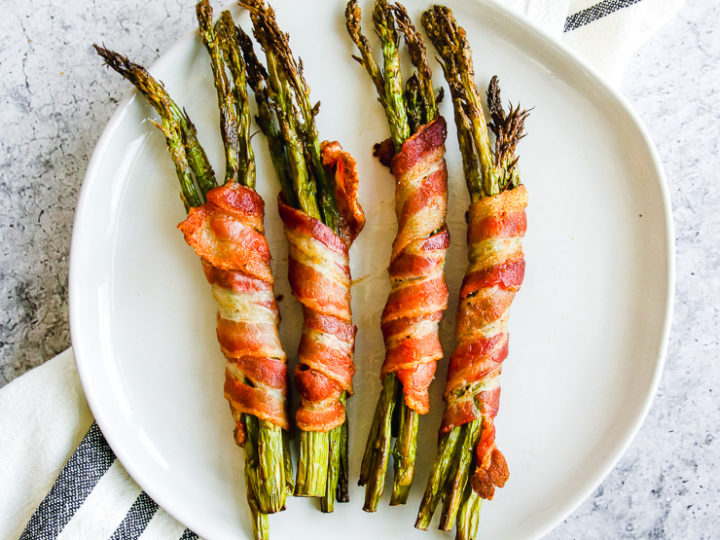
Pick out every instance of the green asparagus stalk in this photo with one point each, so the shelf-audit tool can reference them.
(287, 118)
(253, 480)
(468, 519)
(406, 109)
(327, 502)
(366, 59)
(414, 102)
(278, 119)
(487, 171)
(260, 521)
(312, 474)
(404, 453)
(438, 478)
(377, 449)
(418, 57)
(337, 478)
(457, 482)
(266, 117)
(276, 45)
(343, 491)
(450, 42)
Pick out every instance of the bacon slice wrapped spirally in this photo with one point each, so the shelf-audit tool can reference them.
(418, 295)
(468, 466)
(227, 232)
(319, 272)
(496, 268)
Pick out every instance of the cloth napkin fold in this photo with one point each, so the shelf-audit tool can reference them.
(46, 428)
(60, 478)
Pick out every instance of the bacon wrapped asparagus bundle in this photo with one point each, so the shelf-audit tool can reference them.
(319, 209)
(225, 227)
(468, 466)
(415, 154)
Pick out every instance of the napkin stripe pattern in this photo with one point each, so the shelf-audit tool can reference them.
(137, 518)
(89, 463)
(593, 13)
(77, 479)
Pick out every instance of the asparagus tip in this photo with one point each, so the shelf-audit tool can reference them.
(508, 127)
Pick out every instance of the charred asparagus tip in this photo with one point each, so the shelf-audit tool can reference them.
(418, 57)
(508, 128)
(227, 101)
(353, 16)
(395, 107)
(191, 164)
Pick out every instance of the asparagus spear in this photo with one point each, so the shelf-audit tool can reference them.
(226, 97)
(487, 172)
(289, 74)
(182, 143)
(266, 117)
(438, 478)
(287, 118)
(395, 108)
(418, 57)
(406, 109)
(228, 37)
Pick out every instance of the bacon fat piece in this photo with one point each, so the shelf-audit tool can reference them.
(495, 272)
(319, 274)
(227, 232)
(419, 295)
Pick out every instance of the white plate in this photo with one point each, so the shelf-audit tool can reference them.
(589, 327)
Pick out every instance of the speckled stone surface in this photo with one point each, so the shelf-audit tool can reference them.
(55, 101)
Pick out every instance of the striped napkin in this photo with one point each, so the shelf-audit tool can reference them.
(44, 420)
(60, 478)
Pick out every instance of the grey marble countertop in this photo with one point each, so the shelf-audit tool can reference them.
(54, 103)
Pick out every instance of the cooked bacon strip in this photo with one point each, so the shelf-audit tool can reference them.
(496, 225)
(319, 275)
(418, 293)
(228, 233)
